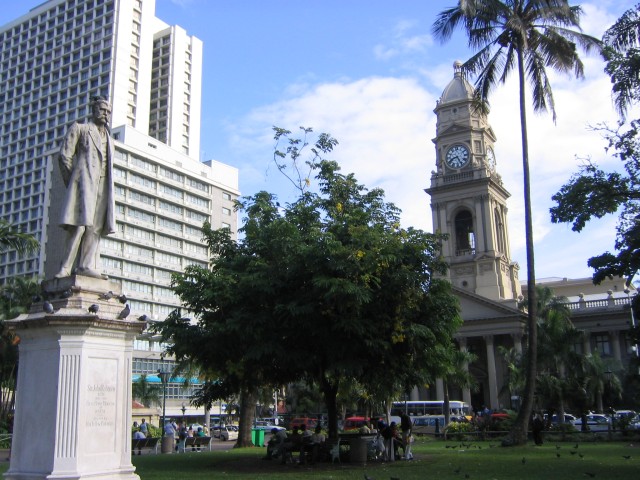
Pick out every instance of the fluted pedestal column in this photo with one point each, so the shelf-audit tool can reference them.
(73, 396)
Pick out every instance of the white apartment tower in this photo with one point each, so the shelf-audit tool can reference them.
(53, 60)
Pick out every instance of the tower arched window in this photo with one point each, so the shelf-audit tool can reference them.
(465, 236)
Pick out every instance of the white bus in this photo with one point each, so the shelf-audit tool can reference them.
(421, 408)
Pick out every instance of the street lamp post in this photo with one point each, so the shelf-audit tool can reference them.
(184, 409)
(164, 378)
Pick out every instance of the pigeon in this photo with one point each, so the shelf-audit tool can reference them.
(558, 455)
(367, 477)
(143, 318)
(581, 455)
(589, 474)
(125, 312)
(47, 307)
(122, 298)
(67, 293)
(626, 457)
(524, 460)
(106, 296)
(94, 308)
(457, 470)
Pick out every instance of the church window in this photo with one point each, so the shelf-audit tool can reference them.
(465, 236)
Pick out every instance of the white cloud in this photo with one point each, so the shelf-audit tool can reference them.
(384, 126)
(402, 43)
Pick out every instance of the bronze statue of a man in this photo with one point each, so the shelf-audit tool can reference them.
(88, 212)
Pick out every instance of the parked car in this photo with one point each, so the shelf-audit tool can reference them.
(625, 413)
(354, 423)
(595, 422)
(568, 418)
(297, 422)
(225, 432)
(266, 426)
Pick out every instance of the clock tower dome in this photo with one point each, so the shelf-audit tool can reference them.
(468, 199)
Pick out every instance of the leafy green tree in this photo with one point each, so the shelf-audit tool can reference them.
(324, 290)
(145, 392)
(528, 36)
(594, 193)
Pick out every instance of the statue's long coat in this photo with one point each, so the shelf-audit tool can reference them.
(80, 161)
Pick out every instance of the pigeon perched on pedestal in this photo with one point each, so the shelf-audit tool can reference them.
(94, 308)
(47, 307)
(106, 296)
(125, 312)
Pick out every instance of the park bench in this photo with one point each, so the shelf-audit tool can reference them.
(197, 443)
(150, 443)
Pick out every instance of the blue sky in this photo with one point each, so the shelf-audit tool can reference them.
(369, 73)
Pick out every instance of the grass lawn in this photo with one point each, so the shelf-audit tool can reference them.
(436, 460)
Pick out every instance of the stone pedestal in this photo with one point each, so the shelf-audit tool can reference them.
(73, 396)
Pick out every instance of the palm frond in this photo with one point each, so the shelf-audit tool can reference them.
(12, 239)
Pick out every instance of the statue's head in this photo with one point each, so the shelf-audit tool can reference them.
(100, 110)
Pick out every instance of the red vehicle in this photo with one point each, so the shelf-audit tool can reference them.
(297, 422)
(354, 423)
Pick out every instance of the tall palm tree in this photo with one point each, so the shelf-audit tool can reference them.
(528, 36)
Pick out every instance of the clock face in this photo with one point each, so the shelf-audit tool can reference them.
(491, 158)
(457, 156)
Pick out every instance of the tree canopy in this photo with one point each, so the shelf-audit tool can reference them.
(327, 289)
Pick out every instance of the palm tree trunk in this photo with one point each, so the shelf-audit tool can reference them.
(518, 434)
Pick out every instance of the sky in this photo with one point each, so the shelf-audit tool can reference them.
(369, 73)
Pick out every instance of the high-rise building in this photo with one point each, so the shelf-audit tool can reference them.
(53, 60)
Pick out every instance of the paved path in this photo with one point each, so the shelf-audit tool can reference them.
(215, 445)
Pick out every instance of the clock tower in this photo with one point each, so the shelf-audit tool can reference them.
(468, 199)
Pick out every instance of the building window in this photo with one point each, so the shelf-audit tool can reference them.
(603, 346)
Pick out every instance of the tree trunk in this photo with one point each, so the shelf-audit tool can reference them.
(330, 393)
(248, 398)
(518, 433)
(445, 404)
